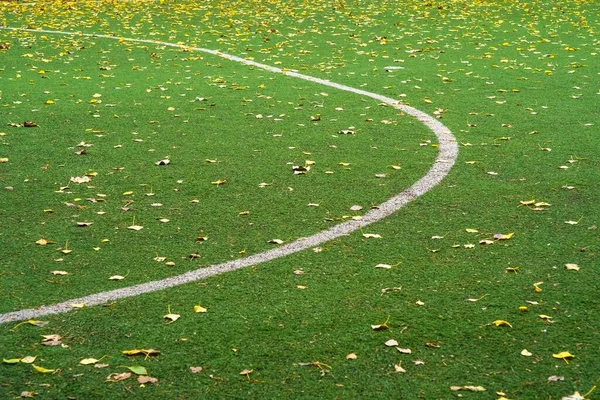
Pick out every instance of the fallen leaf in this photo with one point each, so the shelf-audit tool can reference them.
(135, 227)
(555, 378)
(372, 235)
(500, 236)
(574, 396)
(116, 278)
(501, 322)
(200, 309)
(468, 388)
(42, 369)
(404, 351)
(275, 241)
(246, 372)
(351, 356)
(195, 370)
(136, 369)
(471, 230)
(382, 326)
(143, 379)
(384, 266)
(219, 182)
(27, 394)
(59, 272)
(398, 368)
(526, 353)
(3, 160)
(28, 359)
(572, 267)
(146, 352)
(11, 360)
(165, 161)
(88, 361)
(118, 377)
(391, 343)
(171, 317)
(564, 355)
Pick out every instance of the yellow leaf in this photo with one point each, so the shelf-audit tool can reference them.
(471, 230)
(527, 202)
(28, 359)
(564, 355)
(200, 309)
(219, 182)
(500, 236)
(351, 356)
(526, 353)
(536, 287)
(128, 193)
(372, 235)
(501, 322)
(3, 160)
(88, 361)
(146, 352)
(246, 372)
(42, 369)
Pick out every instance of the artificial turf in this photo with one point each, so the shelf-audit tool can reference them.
(515, 82)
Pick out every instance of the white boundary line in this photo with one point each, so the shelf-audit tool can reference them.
(448, 152)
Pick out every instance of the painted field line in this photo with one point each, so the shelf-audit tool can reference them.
(448, 152)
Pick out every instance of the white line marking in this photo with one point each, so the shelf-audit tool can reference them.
(448, 152)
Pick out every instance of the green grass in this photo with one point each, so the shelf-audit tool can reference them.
(510, 80)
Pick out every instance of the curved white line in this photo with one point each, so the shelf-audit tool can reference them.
(448, 152)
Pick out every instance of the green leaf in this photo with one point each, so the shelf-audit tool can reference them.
(11, 360)
(136, 369)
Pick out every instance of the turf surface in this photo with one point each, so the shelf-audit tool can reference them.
(515, 82)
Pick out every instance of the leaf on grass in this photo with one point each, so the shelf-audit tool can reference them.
(351, 356)
(199, 309)
(555, 378)
(171, 318)
(116, 278)
(165, 161)
(84, 224)
(88, 361)
(80, 179)
(564, 355)
(135, 227)
(28, 359)
(118, 377)
(59, 272)
(42, 242)
(219, 182)
(381, 327)
(372, 235)
(11, 360)
(136, 369)
(146, 352)
(536, 287)
(468, 388)
(195, 370)
(384, 266)
(471, 230)
(398, 368)
(501, 322)
(31, 322)
(246, 372)
(51, 340)
(143, 379)
(526, 353)
(3, 160)
(572, 267)
(391, 343)
(404, 351)
(42, 369)
(574, 396)
(275, 241)
(501, 236)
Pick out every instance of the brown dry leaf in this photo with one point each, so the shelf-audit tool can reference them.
(51, 340)
(116, 377)
(143, 379)
(27, 394)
